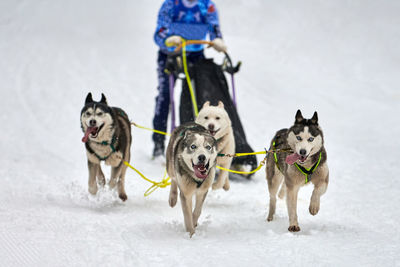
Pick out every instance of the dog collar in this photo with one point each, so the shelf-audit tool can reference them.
(308, 172)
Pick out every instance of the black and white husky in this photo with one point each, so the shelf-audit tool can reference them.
(306, 164)
(191, 162)
(107, 138)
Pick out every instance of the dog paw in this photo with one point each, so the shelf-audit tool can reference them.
(123, 196)
(270, 218)
(314, 208)
(172, 200)
(191, 233)
(93, 189)
(226, 186)
(294, 228)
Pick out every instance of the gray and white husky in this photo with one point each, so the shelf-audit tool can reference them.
(191, 161)
(306, 164)
(107, 137)
(218, 123)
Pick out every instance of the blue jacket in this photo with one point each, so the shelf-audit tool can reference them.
(192, 20)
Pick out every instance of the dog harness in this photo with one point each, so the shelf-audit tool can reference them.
(105, 143)
(307, 172)
(275, 157)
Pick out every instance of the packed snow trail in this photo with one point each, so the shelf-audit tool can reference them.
(337, 57)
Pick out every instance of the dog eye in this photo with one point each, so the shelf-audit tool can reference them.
(88, 113)
(298, 138)
(193, 146)
(100, 114)
(217, 118)
(208, 147)
(206, 117)
(310, 139)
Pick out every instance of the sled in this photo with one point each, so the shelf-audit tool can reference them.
(210, 84)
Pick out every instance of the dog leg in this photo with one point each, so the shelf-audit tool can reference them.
(93, 168)
(186, 202)
(223, 177)
(121, 184)
(273, 186)
(200, 197)
(100, 176)
(173, 193)
(291, 202)
(115, 171)
(319, 190)
(282, 191)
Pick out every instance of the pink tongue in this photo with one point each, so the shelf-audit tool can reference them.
(291, 159)
(89, 130)
(198, 173)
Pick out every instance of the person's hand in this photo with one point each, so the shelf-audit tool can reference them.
(219, 45)
(173, 40)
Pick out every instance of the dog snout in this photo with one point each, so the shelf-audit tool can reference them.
(92, 123)
(202, 158)
(211, 127)
(303, 152)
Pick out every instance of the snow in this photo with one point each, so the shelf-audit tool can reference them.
(340, 58)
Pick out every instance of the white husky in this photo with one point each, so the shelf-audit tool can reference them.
(216, 120)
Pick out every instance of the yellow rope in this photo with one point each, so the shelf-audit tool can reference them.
(156, 131)
(164, 182)
(251, 153)
(262, 163)
(185, 69)
(255, 153)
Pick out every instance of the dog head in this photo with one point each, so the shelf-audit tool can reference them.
(199, 153)
(305, 138)
(215, 119)
(96, 118)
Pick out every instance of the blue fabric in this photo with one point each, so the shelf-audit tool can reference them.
(162, 100)
(191, 23)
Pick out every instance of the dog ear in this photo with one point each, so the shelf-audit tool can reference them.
(206, 104)
(299, 117)
(103, 99)
(314, 119)
(185, 135)
(220, 104)
(89, 98)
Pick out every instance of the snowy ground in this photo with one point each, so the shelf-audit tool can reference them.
(340, 58)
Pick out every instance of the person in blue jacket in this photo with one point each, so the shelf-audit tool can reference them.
(177, 19)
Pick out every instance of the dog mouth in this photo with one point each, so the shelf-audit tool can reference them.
(92, 132)
(201, 170)
(292, 158)
(212, 132)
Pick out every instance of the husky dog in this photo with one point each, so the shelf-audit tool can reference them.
(191, 160)
(216, 120)
(307, 163)
(107, 138)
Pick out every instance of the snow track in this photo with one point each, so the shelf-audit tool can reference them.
(340, 58)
